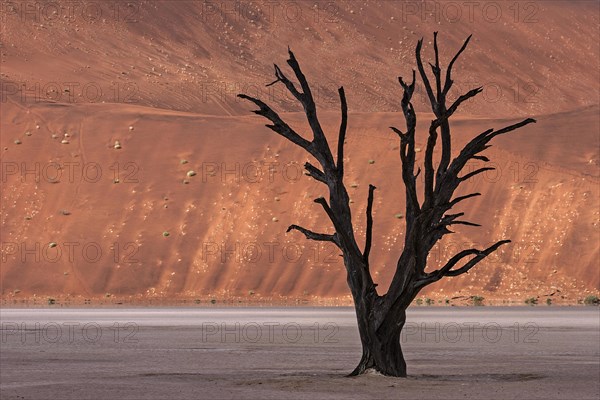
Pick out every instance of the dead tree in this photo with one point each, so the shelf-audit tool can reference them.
(381, 317)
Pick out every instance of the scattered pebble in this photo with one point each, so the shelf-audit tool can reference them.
(165, 233)
(17, 141)
(52, 244)
(117, 145)
(191, 173)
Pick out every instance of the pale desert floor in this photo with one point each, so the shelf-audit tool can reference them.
(274, 353)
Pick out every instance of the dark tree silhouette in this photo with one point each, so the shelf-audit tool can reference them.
(381, 317)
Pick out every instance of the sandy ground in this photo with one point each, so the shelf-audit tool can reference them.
(275, 353)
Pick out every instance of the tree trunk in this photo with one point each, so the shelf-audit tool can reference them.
(382, 351)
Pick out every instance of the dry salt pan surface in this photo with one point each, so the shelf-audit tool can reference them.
(299, 353)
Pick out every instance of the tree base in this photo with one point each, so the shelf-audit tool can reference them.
(388, 363)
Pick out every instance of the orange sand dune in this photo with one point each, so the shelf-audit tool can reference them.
(83, 219)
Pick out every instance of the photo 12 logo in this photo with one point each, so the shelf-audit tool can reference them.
(251, 172)
(72, 11)
(314, 253)
(218, 12)
(69, 92)
(67, 332)
(470, 11)
(470, 332)
(69, 252)
(68, 172)
(269, 332)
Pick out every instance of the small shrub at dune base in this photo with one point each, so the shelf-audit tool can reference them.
(213, 301)
(250, 292)
(549, 301)
(419, 302)
(532, 301)
(591, 300)
(197, 301)
(51, 301)
(477, 300)
(429, 301)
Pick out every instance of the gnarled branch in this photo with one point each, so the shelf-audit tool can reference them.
(447, 270)
(322, 237)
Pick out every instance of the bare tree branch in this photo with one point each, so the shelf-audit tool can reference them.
(477, 171)
(315, 172)
(429, 171)
(461, 198)
(447, 270)
(342, 133)
(449, 81)
(369, 229)
(474, 261)
(428, 88)
(323, 237)
(278, 125)
(471, 93)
